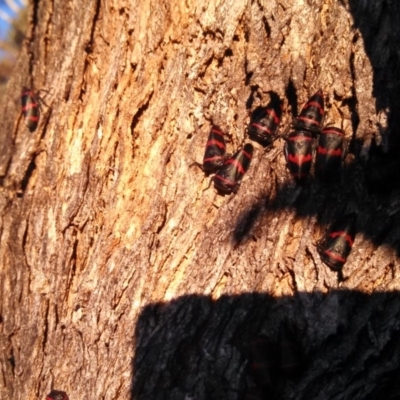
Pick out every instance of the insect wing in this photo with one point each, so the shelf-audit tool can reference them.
(227, 178)
(329, 156)
(30, 108)
(299, 154)
(337, 245)
(214, 155)
(312, 113)
(264, 123)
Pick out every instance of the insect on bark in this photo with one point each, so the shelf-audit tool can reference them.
(262, 361)
(336, 246)
(30, 108)
(254, 393)
(214, 155)
(57, 395)
(299, 154)
(312, 114)
(228, 178)
(264, 123)
(290, 359)
(328, 162)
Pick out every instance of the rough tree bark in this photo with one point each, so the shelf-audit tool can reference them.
(122, 274)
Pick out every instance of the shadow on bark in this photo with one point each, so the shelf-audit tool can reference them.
(196, 348)
(376, 206)
(378, 23)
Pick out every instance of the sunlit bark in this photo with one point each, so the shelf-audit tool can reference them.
(122, 273)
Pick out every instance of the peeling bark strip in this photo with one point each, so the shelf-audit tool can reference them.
(122, 277)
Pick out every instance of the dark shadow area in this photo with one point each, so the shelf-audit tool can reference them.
(352, 102)
(378, 22)
(345, 345)
(291, 94)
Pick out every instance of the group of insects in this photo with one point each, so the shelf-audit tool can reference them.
(299, 148)
(299, 154)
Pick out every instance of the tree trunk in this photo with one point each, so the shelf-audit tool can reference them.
(124, 275)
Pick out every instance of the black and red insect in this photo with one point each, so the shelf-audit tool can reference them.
(30, 108)
(215, 153)
(254, 393)
(290, 357)
(328, 162)
(57, 395)
(228, 178)
(262, 361)
(336, 246)
(298, 151)
(312, 114)
(264, 123)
